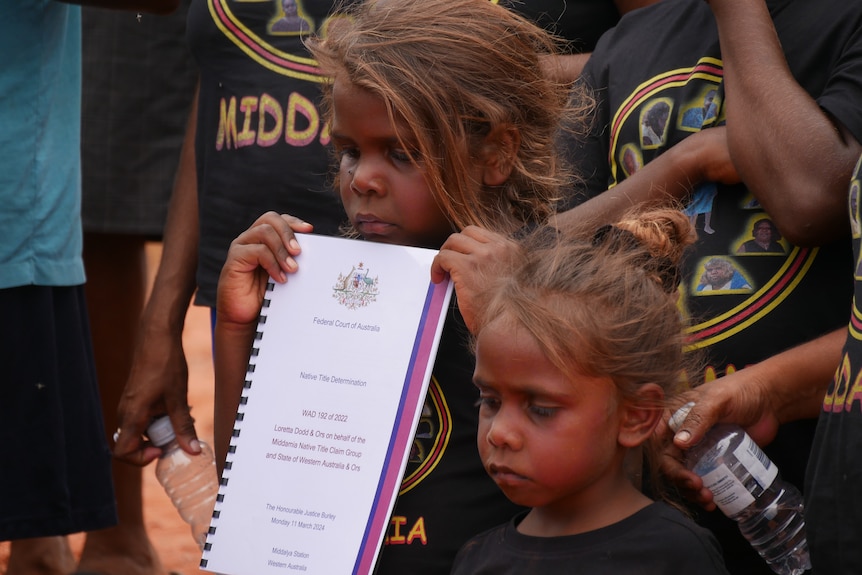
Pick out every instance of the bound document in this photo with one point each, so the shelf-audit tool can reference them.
(334, 390)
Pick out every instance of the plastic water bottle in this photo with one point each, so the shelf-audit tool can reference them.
(747, 488)
(191, 481)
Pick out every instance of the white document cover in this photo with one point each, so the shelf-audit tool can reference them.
(334, 390)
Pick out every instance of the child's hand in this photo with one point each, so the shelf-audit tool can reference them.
(470, 258)
(264, 250)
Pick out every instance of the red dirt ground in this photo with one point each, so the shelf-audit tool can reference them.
(169, 534)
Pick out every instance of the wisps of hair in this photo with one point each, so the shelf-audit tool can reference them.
(453, 72)
(594, 300)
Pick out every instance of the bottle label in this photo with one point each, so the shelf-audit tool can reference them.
(728, 492)
(756, 462)
(731, 495)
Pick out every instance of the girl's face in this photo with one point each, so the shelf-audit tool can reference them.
(384, 194)
(547, 440)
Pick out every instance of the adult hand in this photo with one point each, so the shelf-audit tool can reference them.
(157, 385)
(741, 398)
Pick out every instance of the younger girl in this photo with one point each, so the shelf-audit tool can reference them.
(440, 118)
(576, 349)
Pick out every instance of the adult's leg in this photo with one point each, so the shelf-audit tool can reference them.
(40, 556)
(116, 289)
(52, 427)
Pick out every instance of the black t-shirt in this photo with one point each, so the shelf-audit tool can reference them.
(580, 22)
(833, 504)
(658, 78)
(261, 143)
(657, 540)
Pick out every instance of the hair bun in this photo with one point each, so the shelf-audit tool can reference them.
(664, 234)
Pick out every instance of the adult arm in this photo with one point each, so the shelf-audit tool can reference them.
(792, 155)
(785, 387)
(668, 180)
(565, 68)
(471, 256)
(158, 381)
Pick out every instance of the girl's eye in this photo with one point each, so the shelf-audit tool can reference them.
(543, 412)
(348, 152)
(400, 156)
(485, 402)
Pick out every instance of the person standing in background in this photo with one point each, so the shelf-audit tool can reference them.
(802, 382)
(756, 61)
(58, 480)
(254, 142)
(138, 83)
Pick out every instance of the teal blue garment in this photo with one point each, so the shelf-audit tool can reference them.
(40, 108)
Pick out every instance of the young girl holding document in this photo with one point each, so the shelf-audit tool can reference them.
(440, 118)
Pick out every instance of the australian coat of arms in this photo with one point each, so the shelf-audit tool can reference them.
(356, 288)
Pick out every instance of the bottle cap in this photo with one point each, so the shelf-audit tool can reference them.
(160, 431)
(675, 421)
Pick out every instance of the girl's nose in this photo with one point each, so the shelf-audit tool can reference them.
(503, 431)
(365, 178)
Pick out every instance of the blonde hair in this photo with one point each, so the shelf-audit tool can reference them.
(455, 71)
(604, 304)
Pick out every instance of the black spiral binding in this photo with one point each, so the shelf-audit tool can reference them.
(240, 415)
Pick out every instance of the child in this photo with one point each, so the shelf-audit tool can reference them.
(576, 349)
(440, 118)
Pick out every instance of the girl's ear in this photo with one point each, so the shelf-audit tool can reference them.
(498, 154)
(640, 416)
